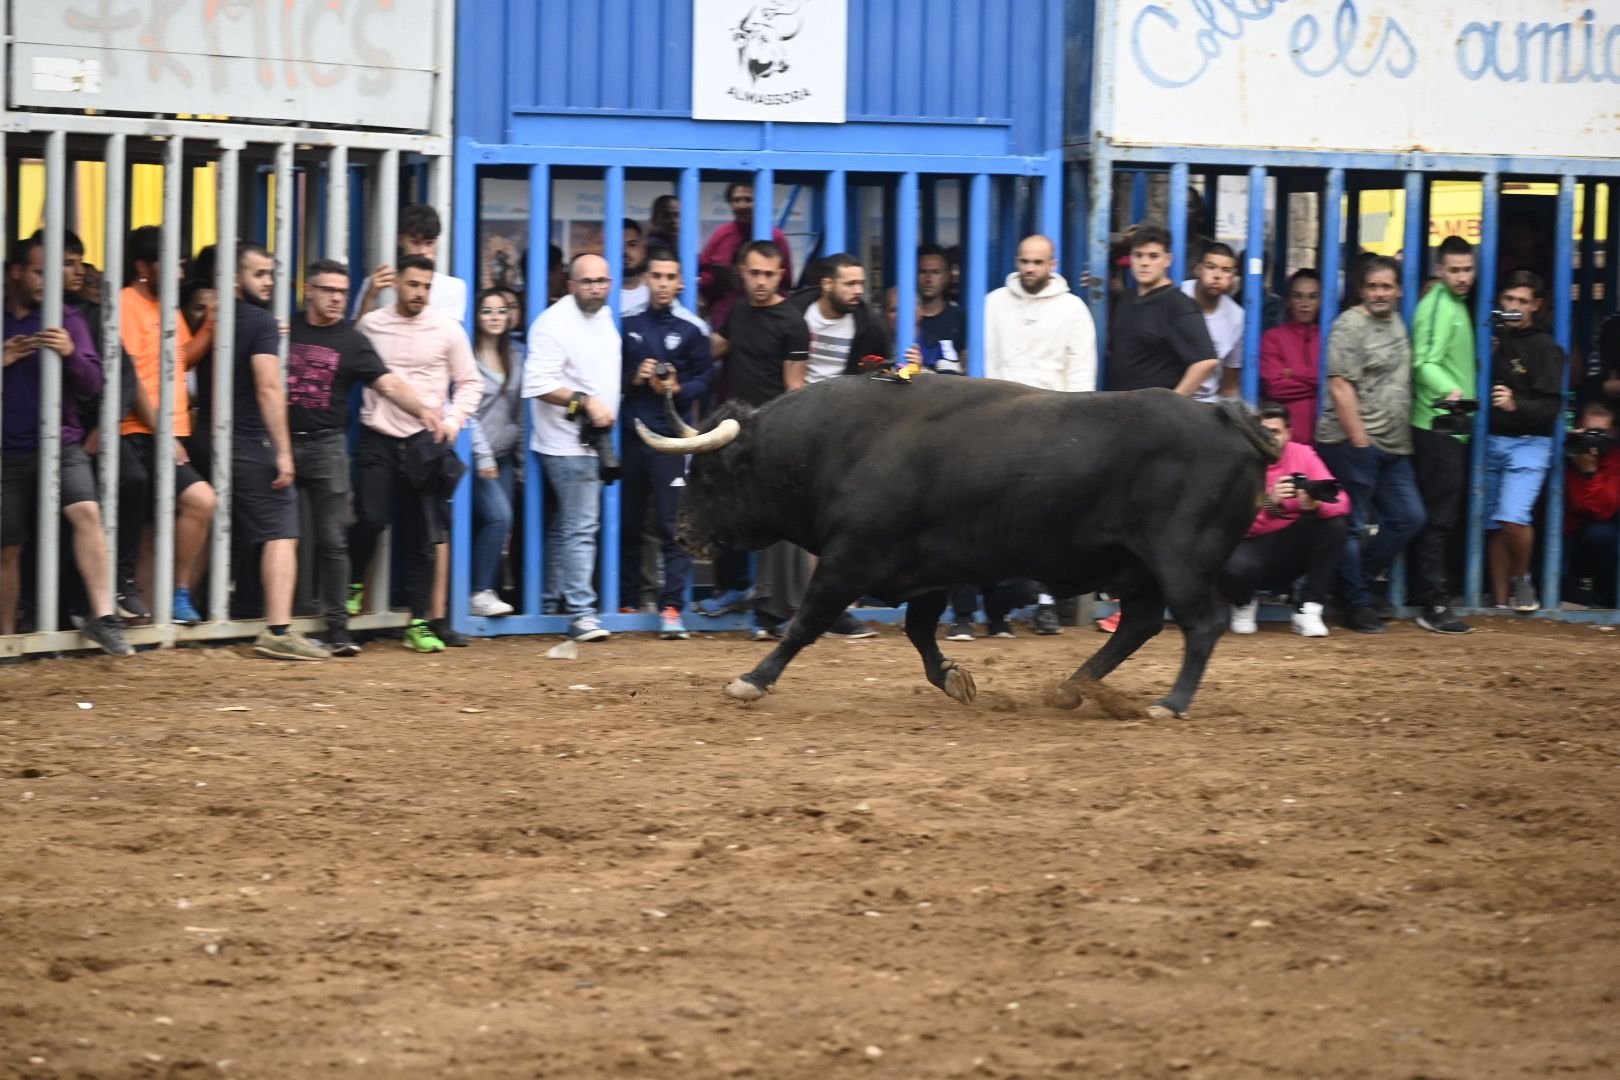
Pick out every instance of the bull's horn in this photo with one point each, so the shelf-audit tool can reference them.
(682, 428)
(727, 430)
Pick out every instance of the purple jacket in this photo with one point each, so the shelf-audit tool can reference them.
(81, 377)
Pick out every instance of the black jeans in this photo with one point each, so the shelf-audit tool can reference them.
(380, 490)
(998, 600)
(1312, 546)
(647, 471)
(322, 464)
(1441, 464)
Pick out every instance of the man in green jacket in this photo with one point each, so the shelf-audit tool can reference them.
(1443, 367)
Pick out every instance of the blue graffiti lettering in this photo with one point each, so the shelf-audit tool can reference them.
(1222, 20)
(1307, 34)
(1565, 54)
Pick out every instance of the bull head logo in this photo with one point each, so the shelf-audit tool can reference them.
(762, 36)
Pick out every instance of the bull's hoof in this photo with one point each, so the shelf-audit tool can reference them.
(1067, 696)
(959, 684)
(1164, 712)
(742, 690)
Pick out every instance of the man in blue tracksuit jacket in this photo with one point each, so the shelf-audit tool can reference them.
(663, 334)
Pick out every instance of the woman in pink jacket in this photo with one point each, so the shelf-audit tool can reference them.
(1300, 530)
(1291, 355)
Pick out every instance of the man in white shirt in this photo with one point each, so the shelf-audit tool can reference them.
(419, 230)
(1036, 331)
(1210, 287)
(843, 329)
(573, 376)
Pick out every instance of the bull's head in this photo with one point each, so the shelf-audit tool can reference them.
(718, 506)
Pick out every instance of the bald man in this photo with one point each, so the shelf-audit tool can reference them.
(572, 377)
(1036, 331)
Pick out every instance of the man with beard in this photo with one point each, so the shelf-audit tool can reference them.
(430, 351)
(265, 507)
(842, 328)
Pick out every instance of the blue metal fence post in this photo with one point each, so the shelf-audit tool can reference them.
(1328, 267)
(1179, 179)
(1100, 199)
(1254, 285)
(976, 279)
(905, 270)
(764, 199)
(1139, 194)
(1552, 566)
(607, 551)
(1413, 251)
(464, 260)
(688, 244)
(834, 213)
(1485, 299)
(539, 274)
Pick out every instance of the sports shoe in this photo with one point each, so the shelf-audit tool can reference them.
(1307, 621)
(961, 630)
(1364, 620)
(1385, 609)
(184, 612)
(1046, 620)
(340, 641)
(1107, 624)
(356, 603)
(670, 626)
(453, 639)
(586, 628)
(1442, 620)
(1524, 595)
(289, 646)
(999, 628)
(107, 632)
(489, 605)
(419, 637)
(130, 604)
(1243, 617)
(725, 603)
(849, 628)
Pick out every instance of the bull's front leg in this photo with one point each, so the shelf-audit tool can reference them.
(825, 598)
(922, 627)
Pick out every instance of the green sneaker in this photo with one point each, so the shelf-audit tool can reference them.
(356, 602)
(289, 646)
(420, 637)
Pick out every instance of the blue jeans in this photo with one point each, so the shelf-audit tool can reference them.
(1382, 484)
(492, 517)
(571, 530)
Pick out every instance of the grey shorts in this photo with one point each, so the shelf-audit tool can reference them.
(259, 512)
(19, 490)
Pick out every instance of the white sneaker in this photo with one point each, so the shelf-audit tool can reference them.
(1243, 621)
(1307, 621)
(488, 604)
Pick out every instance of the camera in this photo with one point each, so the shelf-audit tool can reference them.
(1506, 318)
(1588, 441)
(662, 369)
(1456, 416)
(1320, 490)
(599, 439)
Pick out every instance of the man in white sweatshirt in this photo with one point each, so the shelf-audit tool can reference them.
(1036, 331)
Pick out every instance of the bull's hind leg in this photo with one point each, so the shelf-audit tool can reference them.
(830, 591)
(1141, 618)
(922, 627)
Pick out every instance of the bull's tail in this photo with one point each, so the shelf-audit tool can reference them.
(1240, 417)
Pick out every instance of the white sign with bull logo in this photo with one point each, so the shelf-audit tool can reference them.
(770, 60)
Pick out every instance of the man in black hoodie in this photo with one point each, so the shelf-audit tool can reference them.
(1527, 371)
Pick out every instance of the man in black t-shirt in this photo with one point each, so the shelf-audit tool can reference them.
(265, 505)
(1156, 333)
(326, 356)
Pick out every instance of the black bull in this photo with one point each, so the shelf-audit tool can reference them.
(906, 490)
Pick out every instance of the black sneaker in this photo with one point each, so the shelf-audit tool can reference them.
(961, 630)
(453, 639)
(1046, 620)
(1365, 620)
(1442, 620)
(107, 632)
(341, 642)
(849, 627)
(1384, 608)
(130, 604)
(999, 628)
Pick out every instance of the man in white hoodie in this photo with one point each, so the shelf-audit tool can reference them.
(1036, 331)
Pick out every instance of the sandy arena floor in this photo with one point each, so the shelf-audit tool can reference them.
(1391, 858)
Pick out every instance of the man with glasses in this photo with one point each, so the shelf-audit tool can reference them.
(326, 356)
(573, 377)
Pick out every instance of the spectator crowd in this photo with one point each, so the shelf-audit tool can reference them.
(360, 422)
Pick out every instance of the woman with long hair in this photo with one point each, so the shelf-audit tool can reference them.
(497, 434)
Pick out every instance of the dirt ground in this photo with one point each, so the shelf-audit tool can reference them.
(1384, 857)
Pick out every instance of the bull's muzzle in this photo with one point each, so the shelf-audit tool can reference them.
(695, 443)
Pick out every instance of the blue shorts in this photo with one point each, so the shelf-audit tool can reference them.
(1515, 467)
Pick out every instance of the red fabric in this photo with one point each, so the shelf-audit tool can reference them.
(1595, 497)
(721, 250)
(1290, 373)
(1296, 458)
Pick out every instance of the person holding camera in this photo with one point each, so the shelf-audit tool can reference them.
(1592, 504)
(574, 379)
(1300, 530)
(1527, 373)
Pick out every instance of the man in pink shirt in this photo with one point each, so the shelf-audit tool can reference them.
(1291, 355)
(1300, 530)
(719, 283)
(399, 456)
